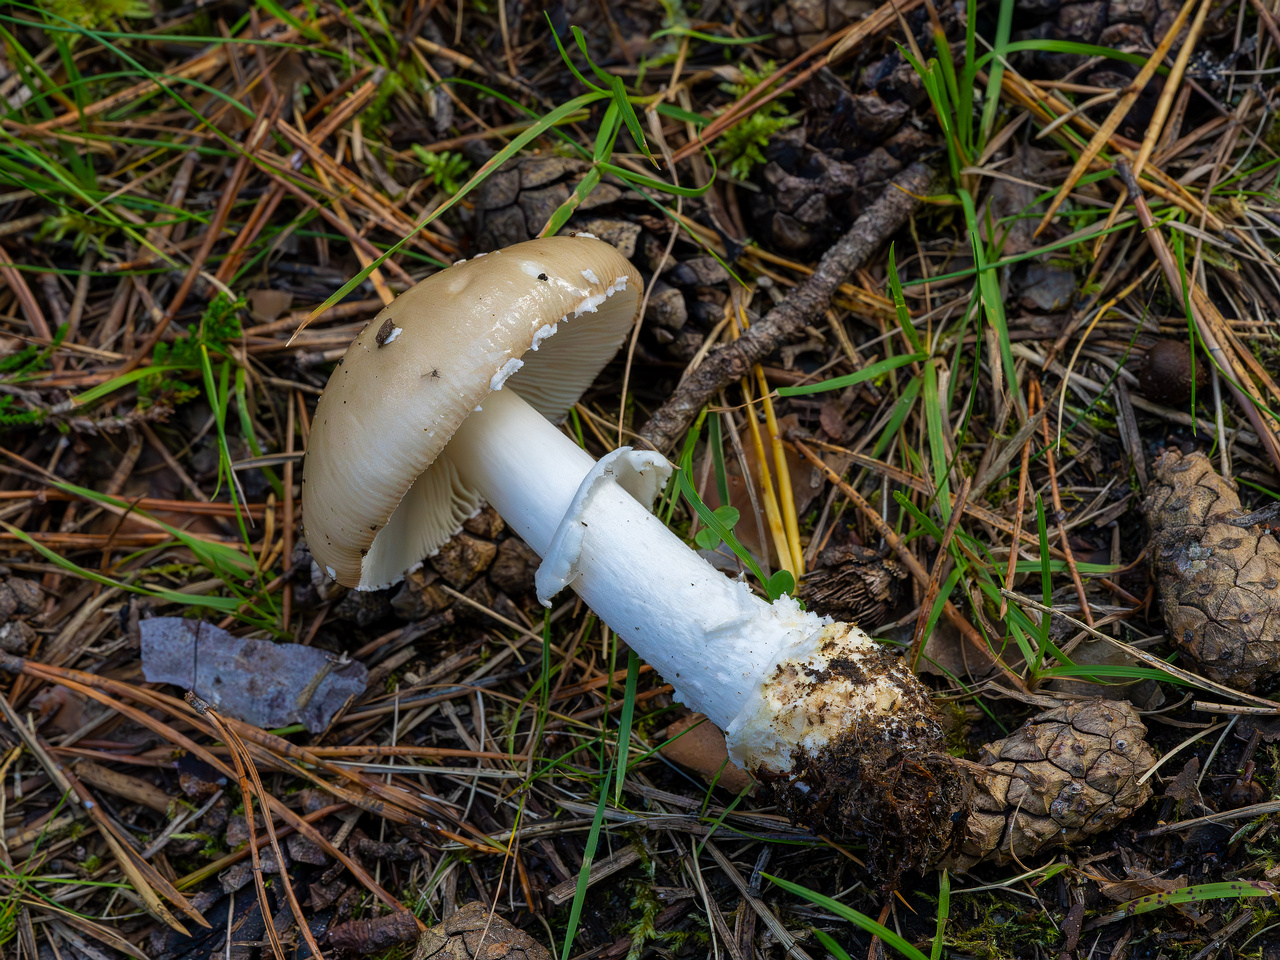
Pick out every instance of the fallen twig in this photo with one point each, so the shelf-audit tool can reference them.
(785, 322)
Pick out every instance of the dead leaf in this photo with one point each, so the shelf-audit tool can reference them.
(1122, 891)
(699, 745)
(266, 684)
(268, 305)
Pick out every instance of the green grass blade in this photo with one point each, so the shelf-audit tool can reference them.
(989, 291)
(950, 85)
(901, 408)
(830, 945)
(1004, 24)
(944, 912)
(684, 463)
(938, 461)
(603, 75)
(285, 16)
(588, 855)
(715, 444)
(568, 61)
(662, 186)
(927, 526)
(686, 489)
(853, 916)
(711, 38)
(562, 213)
(1065, 46)
(545, 123)
(684, 486)
(869, 372)
(629, 117)
(1046, 577)
(900, 304)
(1100, 672)
(221, 604)
(247, 431)
(624, 722)
(1226, 890)
(222, 559)
(684, 116)
(610, 125)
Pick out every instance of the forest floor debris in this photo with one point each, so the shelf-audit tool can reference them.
(937, 299)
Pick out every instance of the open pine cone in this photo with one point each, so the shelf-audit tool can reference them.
(1067, 774)
(854, 584)
(1218, 572)
(20, 600)
(459, 938)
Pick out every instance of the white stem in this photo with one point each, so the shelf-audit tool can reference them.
(527, 469)
(707, 635)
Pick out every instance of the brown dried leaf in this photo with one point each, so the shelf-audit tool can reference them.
(699, 745)
(1183, 787)
(473, 932)
(262, 683)
(1122, 891)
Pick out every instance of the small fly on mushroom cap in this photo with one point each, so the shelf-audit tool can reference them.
(841, 731)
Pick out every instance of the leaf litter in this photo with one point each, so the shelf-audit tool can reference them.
(260, 682)
(152, 435)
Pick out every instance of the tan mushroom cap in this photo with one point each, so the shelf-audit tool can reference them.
(378, 491)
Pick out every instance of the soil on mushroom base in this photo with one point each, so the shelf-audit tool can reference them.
(903, 796)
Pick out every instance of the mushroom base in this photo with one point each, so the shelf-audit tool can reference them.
(869, 761)
(907, 802)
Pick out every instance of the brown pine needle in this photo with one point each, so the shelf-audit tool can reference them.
(1059, 513)
(1210, 323)
(1017, 523)
(144, 878)
(246, 795)
(1171, 85)
(935, 577)
(1120, 111)
(240, 757)
(952, 613)
(92, 686)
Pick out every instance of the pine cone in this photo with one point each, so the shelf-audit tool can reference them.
(1218, 572)
(514, 203)
(19, 600)
(854, 585)
(1067, 774)
(458, 938)
(484, 561)
(1113, 23)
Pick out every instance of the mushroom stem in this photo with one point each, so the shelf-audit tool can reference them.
(843, 731)
(659, 596)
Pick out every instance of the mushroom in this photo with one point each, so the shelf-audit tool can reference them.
(447, 399)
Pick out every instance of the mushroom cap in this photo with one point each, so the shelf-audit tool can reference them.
(378, 491)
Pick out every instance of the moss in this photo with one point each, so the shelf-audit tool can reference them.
(642, 930)
(995, 929)
(212, 848)
(96, 13)
(742, 145)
